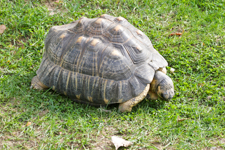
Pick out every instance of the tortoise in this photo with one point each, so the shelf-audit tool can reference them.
(103, 61)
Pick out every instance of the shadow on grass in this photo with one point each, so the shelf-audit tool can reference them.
(30, 102)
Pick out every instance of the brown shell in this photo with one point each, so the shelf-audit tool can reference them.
(103, 60)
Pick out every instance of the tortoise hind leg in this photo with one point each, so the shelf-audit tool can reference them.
(127, 106)
(37, 84)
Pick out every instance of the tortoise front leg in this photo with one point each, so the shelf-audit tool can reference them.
(37, 84)
(127, 106)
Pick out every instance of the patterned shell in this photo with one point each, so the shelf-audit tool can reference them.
(101, 61)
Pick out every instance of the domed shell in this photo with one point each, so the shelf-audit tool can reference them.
(102, 60)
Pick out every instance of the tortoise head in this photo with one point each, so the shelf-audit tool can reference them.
(163, 86)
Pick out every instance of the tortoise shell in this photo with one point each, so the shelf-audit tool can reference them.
(103, 60)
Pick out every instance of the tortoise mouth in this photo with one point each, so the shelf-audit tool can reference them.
(166, 97)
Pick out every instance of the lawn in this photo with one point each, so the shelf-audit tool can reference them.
(193, 119)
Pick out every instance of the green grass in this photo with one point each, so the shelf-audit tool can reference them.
(198, 57)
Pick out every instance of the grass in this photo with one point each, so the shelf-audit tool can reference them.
(198, 56)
